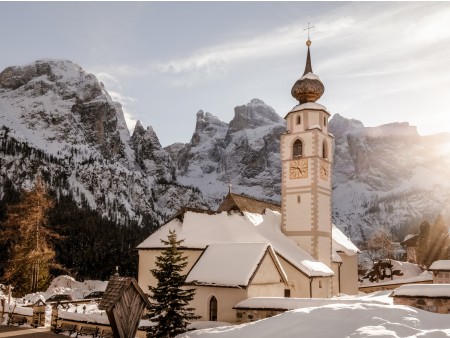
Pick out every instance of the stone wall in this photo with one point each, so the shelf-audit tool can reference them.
(438, 305)
(383, 287)
(251, 315)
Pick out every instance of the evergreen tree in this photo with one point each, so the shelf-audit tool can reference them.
(423, 243)
(433, 242)
(27, 239)
(170, 295)
(439, 241)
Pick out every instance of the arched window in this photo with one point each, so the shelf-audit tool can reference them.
(324, 150)
(299, 119)
(297, 149)
(213, 309)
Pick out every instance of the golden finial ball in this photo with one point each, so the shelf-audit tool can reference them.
(308, 43)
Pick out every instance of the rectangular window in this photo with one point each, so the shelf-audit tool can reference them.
(287, 293)
(324, 121)
(299, 199)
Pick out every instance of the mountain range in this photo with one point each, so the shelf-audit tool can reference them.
(60, 122)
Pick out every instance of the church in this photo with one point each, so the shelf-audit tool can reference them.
(251, 248)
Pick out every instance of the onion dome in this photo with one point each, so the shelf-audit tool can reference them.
(308, 88)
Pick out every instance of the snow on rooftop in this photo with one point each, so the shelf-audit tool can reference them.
(440, 265)
(309, 105)
(342, 243)
(423, 290)
(200, 229)
(225, 256)
(279, 303)
(409, 237)
(310, 76)
(315, 126)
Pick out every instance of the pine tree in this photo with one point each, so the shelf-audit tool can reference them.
(433, 242)
(27, 240)
(169, 310)
(423, 243)
(439, 241)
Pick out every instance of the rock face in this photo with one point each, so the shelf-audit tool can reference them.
(151, 158)
(388, 175)
(58, 121)
(243, 153)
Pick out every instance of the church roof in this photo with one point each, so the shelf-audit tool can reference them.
(230, 274)
(308, 88)
(248, 204)
(342, 243)
(198, 230)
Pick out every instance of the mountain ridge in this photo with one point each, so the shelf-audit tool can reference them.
(60, 121)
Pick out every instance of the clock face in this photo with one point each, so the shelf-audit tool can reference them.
(298, 169)
(324, 170)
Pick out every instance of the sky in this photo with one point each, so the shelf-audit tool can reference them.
(380, 62)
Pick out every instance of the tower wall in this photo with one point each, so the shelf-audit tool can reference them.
(306, 181)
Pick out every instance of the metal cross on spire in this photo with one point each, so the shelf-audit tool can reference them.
(308, 28)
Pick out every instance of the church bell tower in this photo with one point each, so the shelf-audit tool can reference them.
(306, 156)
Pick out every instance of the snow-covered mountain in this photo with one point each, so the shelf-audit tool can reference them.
(243, 153)
(382, 176)
(388, 176)
(57, 120)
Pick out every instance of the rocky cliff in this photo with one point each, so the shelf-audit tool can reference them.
(58, 121)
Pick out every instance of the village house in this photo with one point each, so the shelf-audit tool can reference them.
(250, 248)
(410, 244)
(441, 271)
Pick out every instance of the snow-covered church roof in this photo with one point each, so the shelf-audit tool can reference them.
(341, 244)
(198, 230)
(225, 256)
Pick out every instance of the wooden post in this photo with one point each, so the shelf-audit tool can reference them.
(38, 314)
(3, 301)
(54, 318)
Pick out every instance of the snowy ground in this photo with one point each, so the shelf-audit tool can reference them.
(371, 315)
(368, 318)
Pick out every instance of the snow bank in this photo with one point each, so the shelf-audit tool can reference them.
(20, 310)
(84, 313)
(411, 273)
(339, 320)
